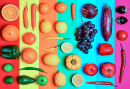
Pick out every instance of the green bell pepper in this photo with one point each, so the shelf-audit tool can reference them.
(10, 52)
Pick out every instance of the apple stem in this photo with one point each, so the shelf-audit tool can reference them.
(109, 70)
(91, 70)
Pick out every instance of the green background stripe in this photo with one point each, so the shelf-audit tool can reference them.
(66, 17)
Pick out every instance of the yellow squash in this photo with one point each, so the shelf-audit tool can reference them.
(73, 62)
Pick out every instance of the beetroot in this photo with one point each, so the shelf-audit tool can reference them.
(107, 22)
(89, 10)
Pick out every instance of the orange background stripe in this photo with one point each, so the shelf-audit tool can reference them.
(52, 16)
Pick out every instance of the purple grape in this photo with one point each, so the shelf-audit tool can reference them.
(76, 34)
(89, 25)
(79, 43)
(83, 49)
(83, 38)
(83, 42)
(79, 46)
(85, 31)
(85, 26)
(87, 38)
(86, 47)
(86, 23)
(91, 30)
(92, 35)
(95, 31)
(78, 38)
(88, 43)
(89, 22)
(92, 39)
(79, 33)
(92, 26)
(90, 46)
(79, 29)
(86, 51)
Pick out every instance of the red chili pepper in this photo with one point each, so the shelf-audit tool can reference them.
(106, 49)
(101, 83)
(123, 59)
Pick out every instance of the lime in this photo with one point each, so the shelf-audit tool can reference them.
(9, 79)
(8, 67)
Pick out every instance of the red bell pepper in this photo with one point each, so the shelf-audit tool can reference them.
(105, 49)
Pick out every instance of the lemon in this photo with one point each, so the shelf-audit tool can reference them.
(60, 79)
(45, 26)
(61, 27)
(51, 59)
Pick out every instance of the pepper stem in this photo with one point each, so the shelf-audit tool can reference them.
(121, 46)
(73, 62)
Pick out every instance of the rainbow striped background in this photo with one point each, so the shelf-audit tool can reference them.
(92, 57)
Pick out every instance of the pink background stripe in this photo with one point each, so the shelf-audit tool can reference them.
(126, 44)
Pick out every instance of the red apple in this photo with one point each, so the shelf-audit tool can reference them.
(90, 69)
(108, 69)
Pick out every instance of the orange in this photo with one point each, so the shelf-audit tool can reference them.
(77, 80)
(67, 47)
(29, 55)
(61, 7)
(10, 12)
(10, 33)
(29, 38)
(44, 8)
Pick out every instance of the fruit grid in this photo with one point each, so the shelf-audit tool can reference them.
(91, 57)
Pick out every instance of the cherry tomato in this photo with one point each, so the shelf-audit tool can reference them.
(90, 69)
(122, 35)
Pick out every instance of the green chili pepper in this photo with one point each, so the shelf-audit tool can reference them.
(10, 52)
(33, 68)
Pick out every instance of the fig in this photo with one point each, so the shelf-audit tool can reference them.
(89, 11)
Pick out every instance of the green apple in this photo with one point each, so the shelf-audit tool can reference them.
(42, 80)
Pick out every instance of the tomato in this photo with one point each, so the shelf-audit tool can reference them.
(90, 69)
(108, 69)
(29, 38)
(122, 35)
(29, 55)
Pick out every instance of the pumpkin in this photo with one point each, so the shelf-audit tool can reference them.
(73, 62)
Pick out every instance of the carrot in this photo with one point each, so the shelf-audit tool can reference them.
(73, 11)
(25, 17)
(57, 38)
(33, 14)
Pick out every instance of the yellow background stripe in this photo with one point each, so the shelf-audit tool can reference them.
(33, 74)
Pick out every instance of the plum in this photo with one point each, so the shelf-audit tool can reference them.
(89, 10)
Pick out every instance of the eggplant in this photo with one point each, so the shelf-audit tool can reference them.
(107, 22)
(121, 20)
